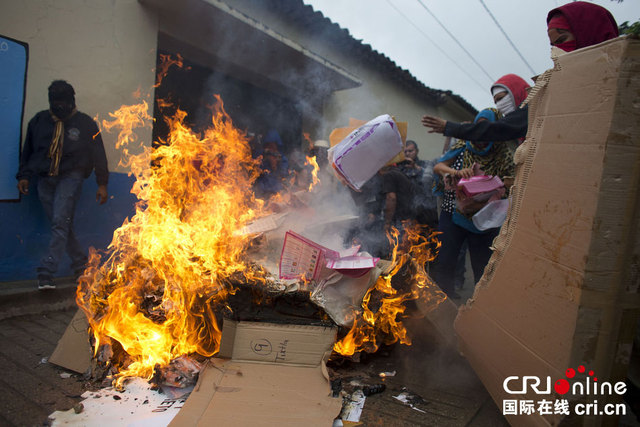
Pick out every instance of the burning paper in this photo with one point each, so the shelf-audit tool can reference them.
(153, 294)
(157, 293)
(302, 257)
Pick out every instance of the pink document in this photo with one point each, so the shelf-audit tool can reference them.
(302, 257)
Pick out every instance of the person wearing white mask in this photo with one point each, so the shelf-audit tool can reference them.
(509, 91)
(503, 99)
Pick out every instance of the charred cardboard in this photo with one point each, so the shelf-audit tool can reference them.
(561, 289)
(276, 377)
(73, 351)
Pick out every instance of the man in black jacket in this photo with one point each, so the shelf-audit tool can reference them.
(63, 146)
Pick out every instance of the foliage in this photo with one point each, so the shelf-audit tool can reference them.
(626, 28)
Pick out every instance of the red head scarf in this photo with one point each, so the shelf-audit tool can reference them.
(516, 84)
(589, 23)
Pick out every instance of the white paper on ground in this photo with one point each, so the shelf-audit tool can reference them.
(352, 408)
(108, 407)
(405, 398)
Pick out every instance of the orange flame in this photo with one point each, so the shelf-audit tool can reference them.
(166, 61)
(128, 118)
(383, 304)
(307, 138)
(314, 173)
(171, 265)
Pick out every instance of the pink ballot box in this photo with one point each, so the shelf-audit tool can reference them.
(480, 184)
(364, 151)
(302, 257)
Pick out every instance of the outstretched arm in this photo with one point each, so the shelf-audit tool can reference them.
(512, 126)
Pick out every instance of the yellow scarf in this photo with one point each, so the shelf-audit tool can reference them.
(55, 149)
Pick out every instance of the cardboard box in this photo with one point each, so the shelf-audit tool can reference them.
(561, 289)
(302, 345)
(73, 351)
(276, 377)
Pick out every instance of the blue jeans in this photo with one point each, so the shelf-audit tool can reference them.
(452, 238)
(59, 195)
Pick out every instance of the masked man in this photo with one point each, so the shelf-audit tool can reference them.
(63, 146)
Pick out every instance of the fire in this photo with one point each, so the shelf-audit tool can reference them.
(307, 138)
(128, 118)
(153, 295)
(155, 290)
(314, 173)
(166, 61)
(383, 305)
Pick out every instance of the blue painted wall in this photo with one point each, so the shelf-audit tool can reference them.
(24, 228)
(13, 63)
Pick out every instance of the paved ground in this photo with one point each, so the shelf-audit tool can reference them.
(32, 322)
(30, 387)
(446, 389)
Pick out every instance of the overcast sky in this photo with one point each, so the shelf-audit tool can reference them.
(408, 32)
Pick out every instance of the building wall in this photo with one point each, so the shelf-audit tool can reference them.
(107, 51)
(378, 93)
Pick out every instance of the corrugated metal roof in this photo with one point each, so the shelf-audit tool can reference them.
(341, 39)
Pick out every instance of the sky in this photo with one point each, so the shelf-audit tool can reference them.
(410, 33)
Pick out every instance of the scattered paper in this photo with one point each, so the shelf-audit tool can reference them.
(410, 400)
(137, 406)
(352, 406)
(262, 225)
(302, 257)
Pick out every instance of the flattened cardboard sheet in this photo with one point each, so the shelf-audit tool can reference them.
(73, 351)
(231, 393)
(559, 289)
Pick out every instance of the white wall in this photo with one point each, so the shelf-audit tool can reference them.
(106, 49)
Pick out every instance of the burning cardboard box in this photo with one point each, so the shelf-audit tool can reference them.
(559, 298)
(154, 300)
(266, 374)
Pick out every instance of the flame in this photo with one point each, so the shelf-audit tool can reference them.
(383, 305)
(128, 118)
(166, 61)
(154, 293)
(307, 138)
(314, 173)
(167, 269)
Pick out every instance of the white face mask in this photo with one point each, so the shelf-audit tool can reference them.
(506, 105)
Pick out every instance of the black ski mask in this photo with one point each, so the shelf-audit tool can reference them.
(61, 99)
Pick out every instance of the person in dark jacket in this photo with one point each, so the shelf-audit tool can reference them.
(62, 147)
(420, 173)
(509, 91)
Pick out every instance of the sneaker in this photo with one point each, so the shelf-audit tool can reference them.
(45, 283)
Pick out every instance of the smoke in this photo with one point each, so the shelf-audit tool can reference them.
(433, 361)
(324, 215)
